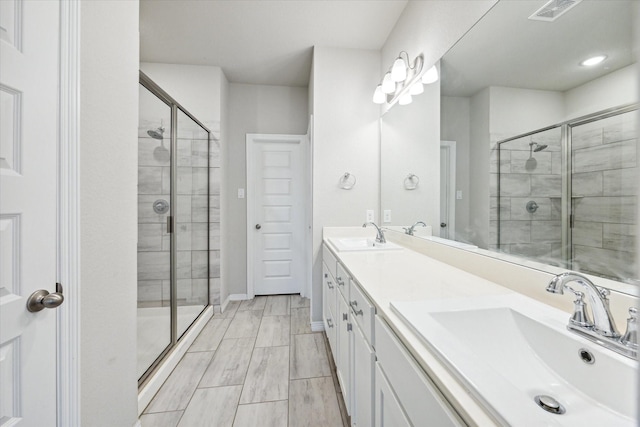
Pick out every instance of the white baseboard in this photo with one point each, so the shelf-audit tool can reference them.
(171, 361)
(317, 326)
(232, 297)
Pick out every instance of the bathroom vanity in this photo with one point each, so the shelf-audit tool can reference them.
(417, 341)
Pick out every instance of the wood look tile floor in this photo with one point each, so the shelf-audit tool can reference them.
(256, 364)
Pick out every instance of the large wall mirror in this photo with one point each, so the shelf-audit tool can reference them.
(536, 159)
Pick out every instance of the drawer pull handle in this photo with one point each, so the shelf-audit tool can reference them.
(330, 323)
(353, 303)
(344, 316)
(349, 327)
(326, 275)
(359, 312)
(340, 282)
(330, 285)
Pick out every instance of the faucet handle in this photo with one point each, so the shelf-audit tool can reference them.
(580, 316)
(630, 338)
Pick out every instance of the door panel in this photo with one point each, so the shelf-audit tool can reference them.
(28, 210)
(276, 189)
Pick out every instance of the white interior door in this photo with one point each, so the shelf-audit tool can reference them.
(28, 210)
(276, 212)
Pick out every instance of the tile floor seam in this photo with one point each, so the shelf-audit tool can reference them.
(244, 380)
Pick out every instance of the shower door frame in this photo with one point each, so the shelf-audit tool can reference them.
(156, 90)
(566, 201)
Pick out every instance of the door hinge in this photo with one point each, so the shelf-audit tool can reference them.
(571, 220)
(169, 224)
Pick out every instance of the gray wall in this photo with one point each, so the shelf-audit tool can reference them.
(108, 221)
(253, 109)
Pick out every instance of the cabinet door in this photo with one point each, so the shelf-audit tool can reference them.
(389, 413)
(343, 365)
(363, 370)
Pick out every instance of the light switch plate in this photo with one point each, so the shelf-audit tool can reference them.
(459, 195)
(240, 193)
(387, 215)
(370, 216)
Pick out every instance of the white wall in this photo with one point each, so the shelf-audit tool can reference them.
(456, 126)
(253, 109)
(196, 87)
(613, 90)
(108, 206)
(224, 194)
(514, 111)
(410, 144)
(479, 169)
(346, 139)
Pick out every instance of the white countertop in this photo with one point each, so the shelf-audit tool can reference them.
(407, 275)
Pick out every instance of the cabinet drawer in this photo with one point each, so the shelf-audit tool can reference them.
(364, 312)
(328, 289)
(420, 398)
(342, 279)
(329, 259)
(331, 330)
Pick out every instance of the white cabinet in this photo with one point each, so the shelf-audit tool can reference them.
(388, 411)
(329, 307)
(381, 383)
(343, 356)
(364, 359)
(421, 400)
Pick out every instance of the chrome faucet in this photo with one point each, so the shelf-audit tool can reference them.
(410, 230)
(602, 329)
(380, 237)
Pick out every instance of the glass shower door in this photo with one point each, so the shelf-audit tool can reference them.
(154, 263)
(191, 220)
(604, 176)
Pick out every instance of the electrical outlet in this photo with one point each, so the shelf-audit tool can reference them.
(370, 216)
(459, 195)
(387, 215)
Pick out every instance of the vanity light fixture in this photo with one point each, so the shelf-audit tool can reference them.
(594, 60)
(431, 76)
(404, 79)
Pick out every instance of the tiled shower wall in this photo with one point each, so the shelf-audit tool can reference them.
(191, 220)
(527, 176)
(604, 190)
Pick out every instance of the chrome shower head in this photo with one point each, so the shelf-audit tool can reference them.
(156, 133)
(538, 147)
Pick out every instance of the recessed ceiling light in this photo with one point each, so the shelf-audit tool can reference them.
(593, 60)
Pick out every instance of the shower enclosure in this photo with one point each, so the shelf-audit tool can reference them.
(173, 223)
(567, 194)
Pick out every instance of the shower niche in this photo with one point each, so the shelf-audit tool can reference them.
(173, 223)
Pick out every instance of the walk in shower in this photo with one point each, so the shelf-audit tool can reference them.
(174, 183)
(567, 194)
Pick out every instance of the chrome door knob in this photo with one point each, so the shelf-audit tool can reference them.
(258, 226)
(41, 299)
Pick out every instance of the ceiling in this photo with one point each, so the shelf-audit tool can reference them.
(261, 41)
(505, 48)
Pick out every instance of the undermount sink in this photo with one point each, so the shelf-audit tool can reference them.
(361, 244)
(510, 349)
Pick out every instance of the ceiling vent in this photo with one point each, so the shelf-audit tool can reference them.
(553, 9)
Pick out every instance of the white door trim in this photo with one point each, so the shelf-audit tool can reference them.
(251, 213)
(68, 314)
(450, 146)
